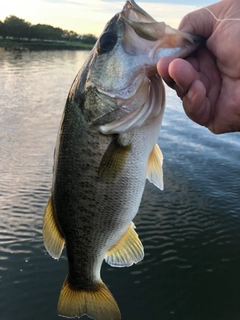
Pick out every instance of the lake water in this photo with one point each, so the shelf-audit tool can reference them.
(190, 231)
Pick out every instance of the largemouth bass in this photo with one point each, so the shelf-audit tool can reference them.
(106, 149)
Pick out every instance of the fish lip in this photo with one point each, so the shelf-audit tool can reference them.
(142, 14)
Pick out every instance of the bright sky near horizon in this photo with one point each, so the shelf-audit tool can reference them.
(90, 16)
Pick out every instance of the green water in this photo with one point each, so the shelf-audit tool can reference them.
(190, 231)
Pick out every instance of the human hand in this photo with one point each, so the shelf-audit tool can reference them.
(208, 81)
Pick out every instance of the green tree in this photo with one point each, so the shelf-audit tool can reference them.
(19, 28)
(70, 35)
(88, 38)
(44, 31)
(2, 30)
(16, 27)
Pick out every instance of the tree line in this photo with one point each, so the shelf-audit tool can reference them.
(18, 28)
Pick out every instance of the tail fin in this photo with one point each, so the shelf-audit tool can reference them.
(97, 303)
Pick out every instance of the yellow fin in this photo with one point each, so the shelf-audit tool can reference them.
(127, 251)
(52, 237)
(113, 160)
(154, 170)
(98, 302)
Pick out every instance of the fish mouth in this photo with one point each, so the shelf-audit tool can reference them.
(139, 102)
(144, 35)
(147, 41)
(144, 41)
(152, 107)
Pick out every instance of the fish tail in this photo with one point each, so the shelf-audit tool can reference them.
(98, 302)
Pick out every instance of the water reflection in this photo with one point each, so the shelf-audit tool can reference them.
(190, 231)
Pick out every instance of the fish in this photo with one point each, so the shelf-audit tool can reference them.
(106, 149)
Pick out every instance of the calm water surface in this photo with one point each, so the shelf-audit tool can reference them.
(190, 231)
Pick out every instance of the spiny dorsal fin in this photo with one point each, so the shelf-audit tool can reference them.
(154, 170)
(52, 237)
(127, 251)
(98, 302)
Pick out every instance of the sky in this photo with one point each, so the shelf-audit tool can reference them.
(90, 16)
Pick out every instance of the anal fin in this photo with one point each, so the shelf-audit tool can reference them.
(154, 170)
(52, 237)
(127, 251)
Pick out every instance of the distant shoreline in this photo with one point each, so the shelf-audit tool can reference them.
(43, 45)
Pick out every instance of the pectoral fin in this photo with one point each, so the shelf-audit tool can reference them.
(154, 170)
(113, 160)
(127, 251)
(53, 239)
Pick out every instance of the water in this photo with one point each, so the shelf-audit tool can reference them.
(190, 231)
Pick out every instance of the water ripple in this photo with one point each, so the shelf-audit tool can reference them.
(190, 231)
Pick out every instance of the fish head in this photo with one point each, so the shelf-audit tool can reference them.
(121, 84)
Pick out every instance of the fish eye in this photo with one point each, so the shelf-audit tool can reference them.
(107, 42)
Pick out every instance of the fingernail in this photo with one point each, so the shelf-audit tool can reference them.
(191, 93)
